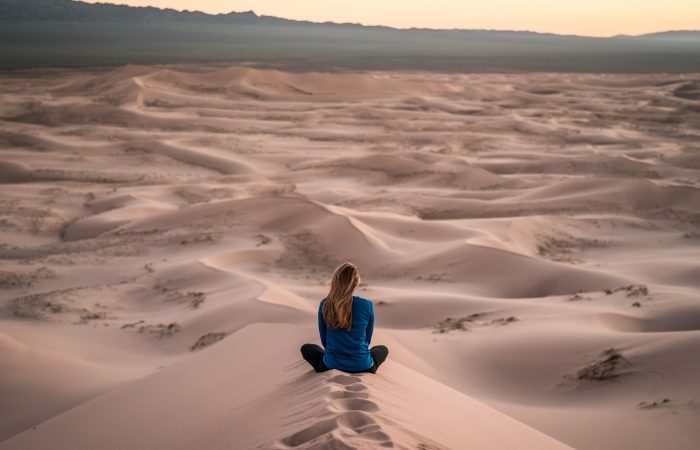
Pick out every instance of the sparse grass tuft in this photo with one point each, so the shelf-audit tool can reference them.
(158, 331)
(460, 323)
(194, 298)
(262, 239)
(37, 306)
(576, 296)
(504, 320)
(207, 340)
(633, 290)
(655, 404)
(197, 298)
(605, 368)
(10, 280)
(87, 316)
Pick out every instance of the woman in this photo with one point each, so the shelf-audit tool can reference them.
(345, 322)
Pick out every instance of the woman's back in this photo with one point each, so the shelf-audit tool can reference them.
(345, 324)
(348, 350)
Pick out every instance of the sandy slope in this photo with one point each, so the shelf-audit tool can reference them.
(251, 391)
(530, 243)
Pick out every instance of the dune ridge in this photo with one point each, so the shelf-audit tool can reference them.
(331, 410)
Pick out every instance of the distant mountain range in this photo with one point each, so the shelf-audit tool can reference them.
(680, 34)
(77, 11)
(39, 33)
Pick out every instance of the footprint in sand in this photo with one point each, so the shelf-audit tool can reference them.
(344, 379)
(347, 393)
(354, 404)
(309, 434)
(356, 387)
(352, 420)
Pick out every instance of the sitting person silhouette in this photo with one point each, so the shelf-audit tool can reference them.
(345, 323)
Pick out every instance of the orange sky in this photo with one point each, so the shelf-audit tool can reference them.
(590, 17)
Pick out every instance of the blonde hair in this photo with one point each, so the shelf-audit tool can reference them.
(337, 309)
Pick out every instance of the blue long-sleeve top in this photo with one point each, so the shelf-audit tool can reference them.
(348, 350)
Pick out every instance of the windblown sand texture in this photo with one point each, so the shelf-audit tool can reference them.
(530, 242)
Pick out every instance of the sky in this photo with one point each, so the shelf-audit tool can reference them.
(589, 17)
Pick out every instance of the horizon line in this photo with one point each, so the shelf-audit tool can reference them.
(330, 22)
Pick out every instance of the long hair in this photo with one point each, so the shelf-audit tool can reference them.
(337, 309)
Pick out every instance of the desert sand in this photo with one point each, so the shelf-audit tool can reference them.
(531, 243)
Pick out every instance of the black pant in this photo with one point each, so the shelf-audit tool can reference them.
(313, 354)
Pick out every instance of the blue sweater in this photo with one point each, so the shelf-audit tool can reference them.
(348, 350)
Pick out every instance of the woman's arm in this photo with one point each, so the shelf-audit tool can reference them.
(321, 325)
(370, 324)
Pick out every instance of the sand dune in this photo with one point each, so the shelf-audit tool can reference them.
(530, 243)
(332, 410)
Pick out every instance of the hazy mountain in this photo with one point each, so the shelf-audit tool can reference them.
(76, 11)
(677, 35)
(71, 33)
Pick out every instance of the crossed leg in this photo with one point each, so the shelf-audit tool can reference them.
(313, 354)
(379, 354)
